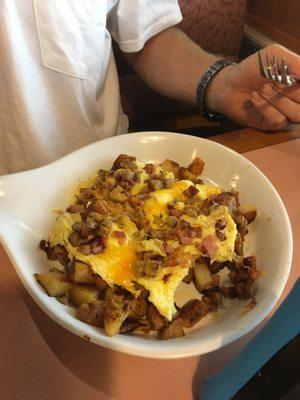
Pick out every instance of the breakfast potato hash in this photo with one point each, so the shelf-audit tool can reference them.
(133, 233)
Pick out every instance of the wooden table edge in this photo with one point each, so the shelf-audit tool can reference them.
(248, 139)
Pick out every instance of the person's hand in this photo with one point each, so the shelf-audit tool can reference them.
(241, 93)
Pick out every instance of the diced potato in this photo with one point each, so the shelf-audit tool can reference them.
(114, 316)
(151, 267)
(250, 262)
(236, 196)
(113, 297)
(64, 299)
(192, 312)
(92, 313)
(143, 328)
(138, 308)
(100, 207)
(156, 320)
(203, 276)
(184, 173)
(172, 330)
(129, 325)
(118, 195)
(55, 283)
(196, 166)
(81, 293)
(248, 212)
(238, 245)
(241, 224)
(189, 277)
(170, 166)
(211, 305)
(227, 199)
(83, 273)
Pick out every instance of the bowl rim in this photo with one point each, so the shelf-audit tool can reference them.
(180, 351)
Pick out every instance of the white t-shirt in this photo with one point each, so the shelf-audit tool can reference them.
(59, 87)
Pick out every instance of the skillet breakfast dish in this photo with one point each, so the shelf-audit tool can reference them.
(132, 234)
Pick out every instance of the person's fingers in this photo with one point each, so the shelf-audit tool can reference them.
(292, 92)
(293, 62)
(272, 118)
(288, 107)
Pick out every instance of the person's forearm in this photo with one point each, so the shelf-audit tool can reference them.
(171, 64)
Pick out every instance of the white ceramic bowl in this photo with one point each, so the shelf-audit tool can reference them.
(28, 198)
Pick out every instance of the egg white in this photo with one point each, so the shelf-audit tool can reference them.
(116, 263)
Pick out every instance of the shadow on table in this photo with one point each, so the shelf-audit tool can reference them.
(86, 360)
(122, 376)
(112, 373)
(102, 368)
(207, 367)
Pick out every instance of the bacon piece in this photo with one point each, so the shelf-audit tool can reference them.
(250, 261)
(185, 232)
(253, 273)
(183, 237)
(97, 247)
(197, 231)
(189, 277)
(221, 224)
(149, 168)
(120, 235)
(167, 248)
(174, 212)
(210, 246)
(75, 208)
(191, 191)
(228, 291)
(166, 278)
(122, 161)
(221, 235)
(100, 283)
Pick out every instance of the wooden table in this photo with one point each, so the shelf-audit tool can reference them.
(41, 360)
(248, 139)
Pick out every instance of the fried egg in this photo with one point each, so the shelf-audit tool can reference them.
(116, 263)
(163, 287)
(225, 249)
(157, 205)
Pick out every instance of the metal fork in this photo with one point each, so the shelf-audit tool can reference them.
(270, 69)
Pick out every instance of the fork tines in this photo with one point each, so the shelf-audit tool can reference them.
(269, 68)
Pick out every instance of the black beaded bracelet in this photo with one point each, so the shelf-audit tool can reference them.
(202, 87)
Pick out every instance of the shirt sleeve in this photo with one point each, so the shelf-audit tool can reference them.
(132, 22)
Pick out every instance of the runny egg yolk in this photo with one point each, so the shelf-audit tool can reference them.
(115, 264)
